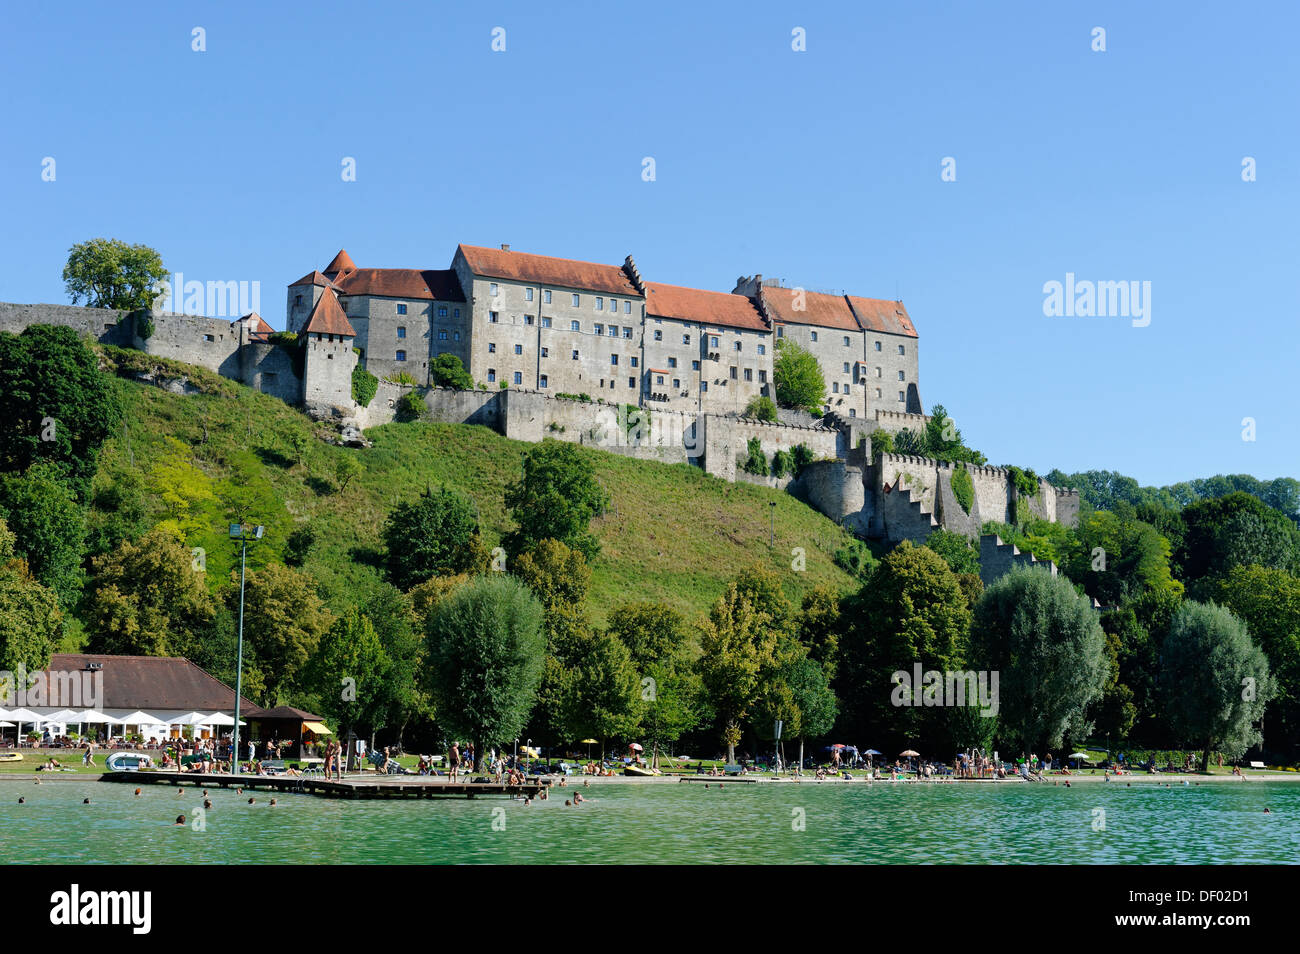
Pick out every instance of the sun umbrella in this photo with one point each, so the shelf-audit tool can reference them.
(635, 747)
(909, 754)
(873, 752)
(62, 716)
(588, 743)
(220, 718)
(6, 725)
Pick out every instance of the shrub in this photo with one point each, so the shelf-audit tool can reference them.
(563, 396)
(800, 457)
(855, 559)
(144, 326)
(298, 545)
(401, 378)
(446, 371)
(963, 488)
(285, 339)
(1024, 480)
(756, 462)
(780, 464)
(761, 408)
(364, 386)
(410, 407)
(882, 442)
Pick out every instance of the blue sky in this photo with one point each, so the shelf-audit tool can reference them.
(820, 167)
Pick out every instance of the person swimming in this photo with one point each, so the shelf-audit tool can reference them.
(207, 803)
(180, 821)
(21, 800)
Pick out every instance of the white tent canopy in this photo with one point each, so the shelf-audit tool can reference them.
(220, 718)
(190, 718)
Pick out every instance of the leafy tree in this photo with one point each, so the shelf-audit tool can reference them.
(1115, 712)
(819, 628)
(298, 545)
(147, 599)
(1236, 530)
(117, 509)
(911, 610)
(798, 377)
(56, 405)
(558, 576)
(1268, 603)
(30, 621)
(1047, 645)
(410, 407)
(943, 440)
(801, 456)
(364, 385)
(882, 442)
(856, 559)
(555, 498)
(435, 535)
(653, 633)
(675, 706)
(348, 672)
(284, 621)
(485, 653)
(761, 408)
(909, 442)
(1117, 557)
(780, 464)
(799, 694)
(187, 494)
(603, 698)
(346, 469)
(401, 635)
(446, 371)
(957, 551)
(108, 273)
(49, 528)
(1216, 681)
(737, 644)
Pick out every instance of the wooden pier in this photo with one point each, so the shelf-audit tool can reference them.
(355, 786)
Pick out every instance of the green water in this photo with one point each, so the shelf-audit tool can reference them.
(661, 823)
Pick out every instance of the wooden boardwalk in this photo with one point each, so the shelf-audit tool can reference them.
(356, 786)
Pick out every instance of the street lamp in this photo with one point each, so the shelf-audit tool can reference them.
(243, 534)
(771, 512)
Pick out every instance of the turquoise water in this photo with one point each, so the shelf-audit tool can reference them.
(662, 823)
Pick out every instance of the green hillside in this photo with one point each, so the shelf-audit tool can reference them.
(224, 452)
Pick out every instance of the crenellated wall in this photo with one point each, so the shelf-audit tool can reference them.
(997, 559)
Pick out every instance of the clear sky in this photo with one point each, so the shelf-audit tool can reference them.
(821, 167)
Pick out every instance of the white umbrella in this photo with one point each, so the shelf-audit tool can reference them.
(190, 718)
(140, 718)
(6, 725)
(220, 718)
(23, 715)
(62, 716)
(95, 717)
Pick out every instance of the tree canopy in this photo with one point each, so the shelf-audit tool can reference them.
(798, 377)
(108, 273)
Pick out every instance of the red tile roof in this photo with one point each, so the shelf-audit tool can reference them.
(342, 263)
(707, 307)
(880, 314)
(825, 311)
(152, 682)
(327, 318)
(431, 285)
(562, 272)
(312, 278)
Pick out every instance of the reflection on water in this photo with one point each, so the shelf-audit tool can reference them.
(663, 823)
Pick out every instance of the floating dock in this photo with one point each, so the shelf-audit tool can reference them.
(356, 786)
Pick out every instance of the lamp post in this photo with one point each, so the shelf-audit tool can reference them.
(771, 513)
(240, 532)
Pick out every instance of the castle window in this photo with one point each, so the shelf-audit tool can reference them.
(519, 377)
(686, 339)
(401, 331)
(455, 335)
(762, 349)
(575, 355)
(493, 289)
(733, 372)
(853, 412)
(519, 349)
(762, 376)
(613, 331)
(528, 319)
(631, 382)
(634, 361)
(613, 306)
(492, 347)
(577, 300)
(814, 336)
(600, 303)
(780, 332)
(659, 379)
(846, 341)
(546, 296)
(846, 367)
(902, 376)
(401, 355)
(835, 386)
(900, 396)
(492, 375)
(901, 350)
(677, 384)
(846, 387)
(659, 335)
(695, 366)
(672, 362)
(442, 334)
(528, 294)
(627, 332)
(749, 374)
(401, 308)
(627, 308)
(713, 341)
(879, 372)
(575, 326)
(877, 345)
(546, 321)
(737, 345)
(542, 382)
(600, 329)
(209, 338)
(613, 359)
(704, 386)
(442, 311)
(546, 352)
(877, 392)
(493, 316)
(455, 312)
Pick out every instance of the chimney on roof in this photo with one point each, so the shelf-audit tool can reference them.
(505, 247)
(633, 274)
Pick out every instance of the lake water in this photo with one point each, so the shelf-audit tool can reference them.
(663, 823)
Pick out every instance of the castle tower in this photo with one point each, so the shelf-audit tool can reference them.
(328, 358)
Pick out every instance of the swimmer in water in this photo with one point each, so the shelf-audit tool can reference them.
(207, 803)
(180, 821)
(137, 791)
(21, 800)
(274, 803)
(252, 801)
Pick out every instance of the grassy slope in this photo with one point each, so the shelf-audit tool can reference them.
(673, 534)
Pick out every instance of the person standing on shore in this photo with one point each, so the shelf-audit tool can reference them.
(453, 761)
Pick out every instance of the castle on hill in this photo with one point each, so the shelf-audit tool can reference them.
(562, 348)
